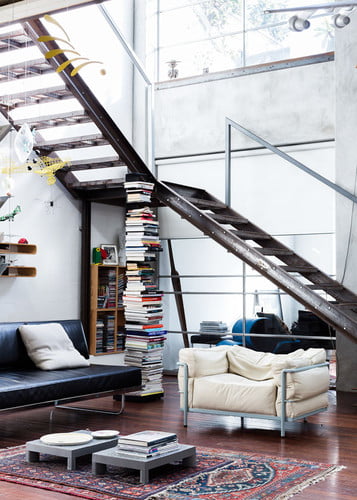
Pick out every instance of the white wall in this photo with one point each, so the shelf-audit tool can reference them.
(54, 292)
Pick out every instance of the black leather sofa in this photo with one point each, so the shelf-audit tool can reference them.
(22, 384)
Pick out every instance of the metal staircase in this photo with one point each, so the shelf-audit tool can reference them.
(324, 296)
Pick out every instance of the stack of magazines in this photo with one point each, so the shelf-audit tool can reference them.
(147, 444)
(138, 191)
(142, 235)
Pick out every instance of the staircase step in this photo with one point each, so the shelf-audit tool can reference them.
(39, 96)
(83, 141)
(87, 163)
(57, 120)
(299, 269)
(98, 184)
(223, 218)
(21, 69)
(345, 305)
(15, 38)
(96, 164)
(206, 204)
(274, 251)
(251, 235)
(326, 286)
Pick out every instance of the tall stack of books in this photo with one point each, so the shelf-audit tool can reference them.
(145, 334)
(147, 444)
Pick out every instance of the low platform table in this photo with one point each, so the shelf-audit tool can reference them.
(184, 453)
(34, 448)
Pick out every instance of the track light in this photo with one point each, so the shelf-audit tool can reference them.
(297, 23)
(300, 21)
(340, 20)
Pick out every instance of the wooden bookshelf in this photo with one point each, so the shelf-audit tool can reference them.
(107, 334)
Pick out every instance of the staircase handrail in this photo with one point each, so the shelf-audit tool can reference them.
(228, 161)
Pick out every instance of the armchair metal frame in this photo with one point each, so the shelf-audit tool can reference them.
(283, 419)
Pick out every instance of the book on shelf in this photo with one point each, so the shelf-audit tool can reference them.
(148, 438)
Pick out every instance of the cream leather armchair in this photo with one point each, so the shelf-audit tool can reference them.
(235, 380)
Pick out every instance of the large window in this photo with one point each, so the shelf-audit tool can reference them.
(214, 35)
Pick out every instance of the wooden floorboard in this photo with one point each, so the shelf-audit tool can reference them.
(329, 437)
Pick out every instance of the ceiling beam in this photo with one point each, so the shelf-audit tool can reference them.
(24, 10)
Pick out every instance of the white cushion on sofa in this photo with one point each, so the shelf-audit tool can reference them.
(50, 348)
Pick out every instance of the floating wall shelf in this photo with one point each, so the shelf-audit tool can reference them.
(18, 248)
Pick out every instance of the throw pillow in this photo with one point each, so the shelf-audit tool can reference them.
(50, 348)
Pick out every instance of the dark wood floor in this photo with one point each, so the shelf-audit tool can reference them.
(330, 437)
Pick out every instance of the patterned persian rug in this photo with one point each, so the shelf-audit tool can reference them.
(218, 474)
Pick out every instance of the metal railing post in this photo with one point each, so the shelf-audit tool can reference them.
(244, 300)
(228, 162)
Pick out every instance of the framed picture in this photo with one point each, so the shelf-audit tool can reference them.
(112, 254)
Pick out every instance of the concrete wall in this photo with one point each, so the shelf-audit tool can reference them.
(346, 176)
(285, 106)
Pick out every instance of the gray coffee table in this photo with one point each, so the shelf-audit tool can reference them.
(184, 453)
(34, 448)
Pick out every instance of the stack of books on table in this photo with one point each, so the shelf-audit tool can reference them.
(213, 326)
(138, 191)
(147, 444)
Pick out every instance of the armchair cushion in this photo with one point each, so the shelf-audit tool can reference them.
(250, 364)
(230, 392)
(203, 361)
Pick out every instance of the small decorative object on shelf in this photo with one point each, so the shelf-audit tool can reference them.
(109, 254)
(145, 334)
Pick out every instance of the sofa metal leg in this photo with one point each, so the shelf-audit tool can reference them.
(282, 428)
(92, 410)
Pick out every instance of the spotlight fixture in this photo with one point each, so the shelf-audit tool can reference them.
(297, 23)
(339, 11)
(340, 20)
